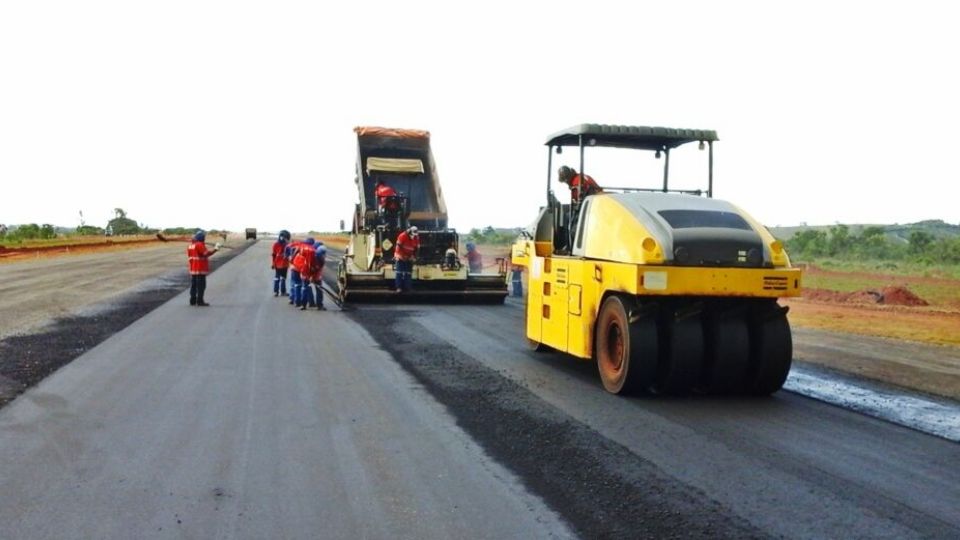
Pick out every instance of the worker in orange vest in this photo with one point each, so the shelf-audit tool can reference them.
(314, 257)
(311, 273)
(296, 285)
(408, 242)
(198, 262)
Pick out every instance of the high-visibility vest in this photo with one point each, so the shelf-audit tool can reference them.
(406, 246)
(583, 185)
(278, 258)
(307, 257)
(197, 258)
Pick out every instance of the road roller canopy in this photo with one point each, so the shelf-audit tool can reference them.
(639, 137)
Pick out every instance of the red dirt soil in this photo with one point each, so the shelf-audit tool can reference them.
(19, 253)
(890, 296)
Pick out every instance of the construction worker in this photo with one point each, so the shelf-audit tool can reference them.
(313, 276)
(382, 191)
(384, 194)
(405, 252)
(516, 279)
(580, 185)
(279, 264)
(451, 259)
(302, 261)
(296, 285)
(198, 263)
(474, 259)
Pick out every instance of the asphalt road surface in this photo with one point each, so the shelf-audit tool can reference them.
(250, 419)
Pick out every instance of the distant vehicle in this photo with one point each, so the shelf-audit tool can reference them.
(251, 234)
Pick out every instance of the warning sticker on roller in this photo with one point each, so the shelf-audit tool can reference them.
(655, 281)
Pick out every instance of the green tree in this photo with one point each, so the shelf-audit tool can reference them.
(840, 240)
(872, 243)
(949, 250)
(89, 230)
(47, 231)
(28, 232)
(919, 242)
(122, 224)
(808, 243)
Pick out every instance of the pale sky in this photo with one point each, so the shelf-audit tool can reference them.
(240, 114)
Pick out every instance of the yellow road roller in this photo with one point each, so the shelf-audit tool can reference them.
(669, 290)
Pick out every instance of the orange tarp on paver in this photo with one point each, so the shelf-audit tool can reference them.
(392, 132)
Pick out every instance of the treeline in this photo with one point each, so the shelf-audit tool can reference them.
(31, 231)
(490, 235)
(872, 243)
(121, 225)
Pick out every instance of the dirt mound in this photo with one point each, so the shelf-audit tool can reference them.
(890, 296)
(901, 296)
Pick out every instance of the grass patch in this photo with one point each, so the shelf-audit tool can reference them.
(890, 268)
(72, 241)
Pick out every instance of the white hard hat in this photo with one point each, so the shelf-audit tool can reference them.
(412, 229)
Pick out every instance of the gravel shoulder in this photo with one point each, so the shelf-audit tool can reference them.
(55, 309)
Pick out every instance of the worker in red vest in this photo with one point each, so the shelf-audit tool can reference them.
(474, 259)
(314, 257)
(279, 264)
(405, 252)
(382, 191)
(580, 185)
(386, 205)
(198, 262)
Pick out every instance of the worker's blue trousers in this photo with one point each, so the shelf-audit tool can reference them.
(296, 287)
(280, 281)
(404, 277)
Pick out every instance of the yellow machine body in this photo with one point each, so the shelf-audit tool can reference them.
(620, 255)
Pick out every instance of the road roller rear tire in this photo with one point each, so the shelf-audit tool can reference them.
(771, 352)
(626, 352)
(727, 353)
(681, 361)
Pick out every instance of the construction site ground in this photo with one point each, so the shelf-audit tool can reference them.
(45, 287)
(418, 422)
